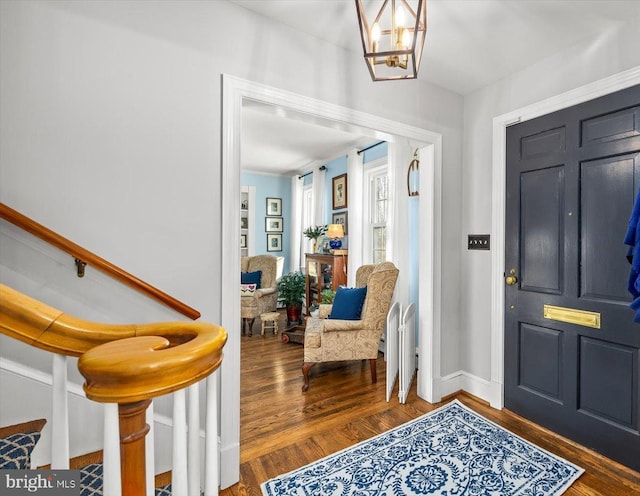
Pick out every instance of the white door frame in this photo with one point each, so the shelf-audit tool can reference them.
(234, 91)
(576, 96)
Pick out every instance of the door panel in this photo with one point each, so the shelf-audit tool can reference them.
(536, 342)
(606, 381)
(607, 187)
(572, 177)
(542, 230)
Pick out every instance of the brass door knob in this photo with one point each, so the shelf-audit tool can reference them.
(511, 279)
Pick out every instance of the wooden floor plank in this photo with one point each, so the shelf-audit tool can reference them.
(282, 429)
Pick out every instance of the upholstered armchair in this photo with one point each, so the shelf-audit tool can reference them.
(265, 298)
(328, 340)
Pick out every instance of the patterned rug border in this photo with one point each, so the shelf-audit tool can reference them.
(560, 490)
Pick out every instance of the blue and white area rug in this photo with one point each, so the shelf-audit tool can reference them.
(450, 451)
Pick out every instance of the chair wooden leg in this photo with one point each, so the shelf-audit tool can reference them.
(306, 367)
(373, 363)
(250, 332)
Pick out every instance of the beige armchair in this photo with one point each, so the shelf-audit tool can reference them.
(328, 340)
(264, 299)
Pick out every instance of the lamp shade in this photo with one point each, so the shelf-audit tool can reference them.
(335, 231)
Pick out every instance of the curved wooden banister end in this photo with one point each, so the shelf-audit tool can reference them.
(42, 326)
(162, 358)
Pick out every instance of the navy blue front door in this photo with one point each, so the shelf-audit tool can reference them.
(571, 347)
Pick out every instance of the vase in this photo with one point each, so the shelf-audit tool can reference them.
(313, 246)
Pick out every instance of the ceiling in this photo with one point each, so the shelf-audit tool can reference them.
(469, 44)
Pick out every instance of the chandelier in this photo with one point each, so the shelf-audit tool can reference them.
(393, 42)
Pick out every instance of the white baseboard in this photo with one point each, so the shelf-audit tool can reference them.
(229, 472)
(464, 381)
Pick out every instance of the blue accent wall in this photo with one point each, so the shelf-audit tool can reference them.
(336, 167)
(414, 247)
(270, 186)
(376, 152)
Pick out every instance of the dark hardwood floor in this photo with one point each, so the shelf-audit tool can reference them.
(282, 429)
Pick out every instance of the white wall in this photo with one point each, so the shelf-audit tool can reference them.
(110, 128)
(589, 61)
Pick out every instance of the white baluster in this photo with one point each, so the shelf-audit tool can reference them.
(212, 454)
(179, 482)
(59, 414)
(193, 465)
(149, 448)
(112, 483)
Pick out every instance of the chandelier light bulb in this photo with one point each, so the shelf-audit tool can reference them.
(400, 17)
(375, 35)
(406, 38)
(375, 32)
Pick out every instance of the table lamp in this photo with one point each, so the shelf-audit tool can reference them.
(335, 232)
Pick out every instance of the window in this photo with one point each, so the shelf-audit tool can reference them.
(378, 179)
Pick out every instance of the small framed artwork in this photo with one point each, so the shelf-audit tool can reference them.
(339, 193)
(273, 224)
(243, 241)
(322, 245)
(340, 218)
(274, 207)
(244, 223)
(274, 242)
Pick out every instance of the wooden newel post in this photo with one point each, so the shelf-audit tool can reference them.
(133, 429)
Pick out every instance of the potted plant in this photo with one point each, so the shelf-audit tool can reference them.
(314, 232)
(291, 289)
(327, 296)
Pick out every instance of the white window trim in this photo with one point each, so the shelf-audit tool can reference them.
(372, 169)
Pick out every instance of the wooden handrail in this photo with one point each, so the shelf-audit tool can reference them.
(62, 243)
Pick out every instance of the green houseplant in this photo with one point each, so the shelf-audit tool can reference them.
(327, 296)
(291, 289)
(314, 232)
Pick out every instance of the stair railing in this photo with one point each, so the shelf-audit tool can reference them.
(125, 367)
(85, 257)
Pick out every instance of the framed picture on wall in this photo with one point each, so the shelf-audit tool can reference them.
(339, 193)
(274, 242)
(274, 206)
(273, 224)
(243, 241)
(340, 218)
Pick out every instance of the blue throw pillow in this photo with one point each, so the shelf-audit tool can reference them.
(251, 278)
(347, 303)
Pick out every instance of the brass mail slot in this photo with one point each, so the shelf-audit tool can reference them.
(572, 316)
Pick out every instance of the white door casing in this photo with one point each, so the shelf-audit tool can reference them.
(234, 91)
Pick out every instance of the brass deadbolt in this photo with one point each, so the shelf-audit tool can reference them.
(511, 279)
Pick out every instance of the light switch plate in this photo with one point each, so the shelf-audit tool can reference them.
(479, 242)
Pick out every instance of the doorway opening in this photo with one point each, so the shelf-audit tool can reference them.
(235, 91)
